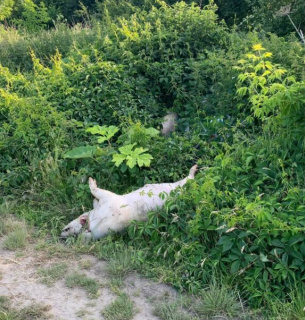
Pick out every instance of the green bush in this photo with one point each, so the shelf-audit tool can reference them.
(245, 215)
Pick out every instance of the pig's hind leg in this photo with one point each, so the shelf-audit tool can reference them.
(99, 194)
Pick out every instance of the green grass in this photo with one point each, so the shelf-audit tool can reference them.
(16, 237)
(53, 249)
(34, 311)
(85, 264)
(15, 46)
(120, 264)
(218, 300)
(6, 224)
(6, 220)
(31, 312)
(171, 311)
(121, 309)
(91, 286)
(52, 274)
(293, 310)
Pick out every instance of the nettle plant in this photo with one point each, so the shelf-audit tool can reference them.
(129, 155)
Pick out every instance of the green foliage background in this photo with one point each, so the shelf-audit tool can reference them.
(241, 119)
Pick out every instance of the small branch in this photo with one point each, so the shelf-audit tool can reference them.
(299, 31)
(11, 260)
(241, 303)
(286, 11)
(200, 5)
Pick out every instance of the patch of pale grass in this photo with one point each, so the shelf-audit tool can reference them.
(34, 311)
(85, 264)
(8, 224)
(54, 250)
(121, 309)
(292, 310)
(90, 285)
(7, 207)
(218, 300)
(116, 284)
(17, 236)
(53, 273)
(120, 264)
(171, 311)
(82, 313)
(31, 312)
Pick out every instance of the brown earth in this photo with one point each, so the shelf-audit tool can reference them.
(20, 282)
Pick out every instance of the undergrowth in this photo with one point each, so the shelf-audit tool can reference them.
(240, 117)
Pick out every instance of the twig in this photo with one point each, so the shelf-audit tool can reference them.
(299, 31)
(12, 294)
(241, 303)
(200, 5)
(11, 260)
(285, 11)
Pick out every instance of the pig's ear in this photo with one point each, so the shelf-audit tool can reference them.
(83, 220)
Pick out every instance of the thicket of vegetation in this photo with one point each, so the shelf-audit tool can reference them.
(86, 101)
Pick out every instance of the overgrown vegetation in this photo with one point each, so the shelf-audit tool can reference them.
(88, 100)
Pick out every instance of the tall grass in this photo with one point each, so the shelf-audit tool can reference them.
(16, 46)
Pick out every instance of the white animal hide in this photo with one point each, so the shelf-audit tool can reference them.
(115, 212)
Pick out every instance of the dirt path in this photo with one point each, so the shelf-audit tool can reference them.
(21, 283)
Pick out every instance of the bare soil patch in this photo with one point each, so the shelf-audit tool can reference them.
(21, 282)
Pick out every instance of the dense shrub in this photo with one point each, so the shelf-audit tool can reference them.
(245, 214)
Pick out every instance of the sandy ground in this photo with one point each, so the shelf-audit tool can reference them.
(20, 282)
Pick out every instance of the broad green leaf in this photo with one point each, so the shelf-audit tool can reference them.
(118, 158)
(102, 139)
(127, 150)
(112, 130)
(144, 160)
(131, 162)
(248, 160)
(235, 266)
(132, 157)
(152, 132)
(97, 130)
(135, 153)
(302, 249)
(81, 152)
(105, 132)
